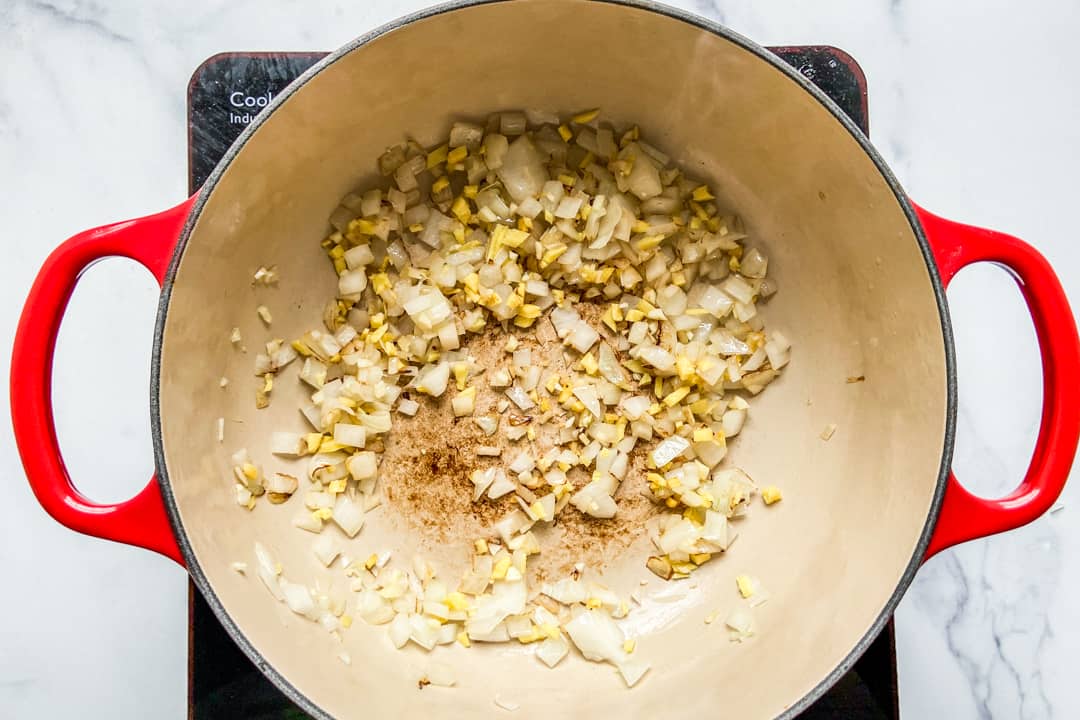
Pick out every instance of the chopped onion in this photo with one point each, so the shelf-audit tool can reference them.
(610, 368)
(500, 485)
(464, 134)
(348, 515)
(632, 670)
(587, 395)
(529, 208)
(400, 628)
(307, 521)
(352, 283)
(680, 535)
(522, 359)
(668, 450)
(741, 624)
(521, 170)
(710, 299)
(358, 257)
(583, 337)
(778, 350)
(644, 180)
(568, 207)
(566, 591)
(523, 462)
(299, 599)
(753, 264)
(739, 289)
(634, 406)
(512, 123)
(710, 452)
(597, 636)
(487, 423)
(351, 435)
(326, 549)
(520, 398)
(715, 531)
(362, 465)
(286, 443)
(266, 276)
(481, 480)
(672, 300)
(511, 524)
(373, 609)
(268, 570)
(552, 650)
(464, 403)
(566, 233)
(433, 379)
(281, 484)
(755, 361)
(657, 357)
(595, 501)
(732, 422)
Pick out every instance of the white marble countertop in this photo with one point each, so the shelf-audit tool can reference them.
(974, 103)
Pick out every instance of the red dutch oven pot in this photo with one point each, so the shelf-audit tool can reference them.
(862, 272)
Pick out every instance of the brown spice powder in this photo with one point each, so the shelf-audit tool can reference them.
(425, 470)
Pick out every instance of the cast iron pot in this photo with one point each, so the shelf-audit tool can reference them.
(861, 269)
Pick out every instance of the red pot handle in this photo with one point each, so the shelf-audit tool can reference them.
(965, 516)
(141, 520)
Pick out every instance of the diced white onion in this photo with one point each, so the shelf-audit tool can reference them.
(521, 170)
(520, 398)
(564, 234)
(299, 599)
(433, 379)
(352, 435)
(668, 450)
(281, 483)
(362, 465)
(500, 485)
(595, 501)
(348, 515)
(326, 549)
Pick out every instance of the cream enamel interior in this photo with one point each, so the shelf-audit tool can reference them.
(855, 298)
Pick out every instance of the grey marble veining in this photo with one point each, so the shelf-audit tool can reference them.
(79, 16)
(973, 103)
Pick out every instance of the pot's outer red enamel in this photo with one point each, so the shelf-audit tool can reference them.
(862, 274)
(965, 516)
(141, 521)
